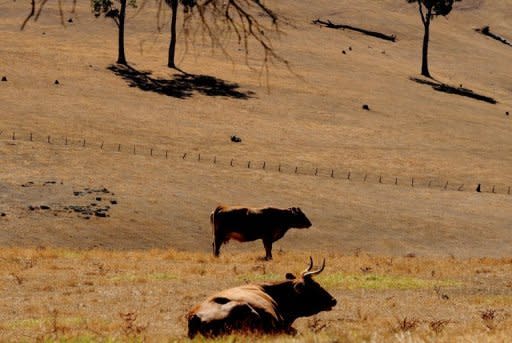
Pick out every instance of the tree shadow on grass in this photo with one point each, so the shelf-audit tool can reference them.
(181, 86)
(442, 87)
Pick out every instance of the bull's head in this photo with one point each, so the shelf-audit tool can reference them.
(310, 298)
(299, 219)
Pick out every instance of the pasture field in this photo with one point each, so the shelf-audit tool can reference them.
(107, 178)
(96, 295)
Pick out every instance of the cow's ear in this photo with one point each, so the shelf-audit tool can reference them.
(299, 287)
(290, 276)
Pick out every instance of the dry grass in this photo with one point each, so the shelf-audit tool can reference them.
(91, 295)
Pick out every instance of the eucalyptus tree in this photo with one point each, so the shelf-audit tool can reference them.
(429, 9)
(117, 11)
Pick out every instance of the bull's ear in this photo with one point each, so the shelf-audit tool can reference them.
(299, 287)
(290, 276)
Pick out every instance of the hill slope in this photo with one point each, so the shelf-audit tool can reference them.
(410, 132)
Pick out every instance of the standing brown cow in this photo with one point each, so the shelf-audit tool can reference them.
(270, 307)
(246, 224)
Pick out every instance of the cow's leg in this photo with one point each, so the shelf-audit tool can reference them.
(267, 243)
(217, 242)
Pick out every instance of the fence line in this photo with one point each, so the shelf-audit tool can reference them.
(280, 167)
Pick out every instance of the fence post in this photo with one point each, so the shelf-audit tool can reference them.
(332, 172)
(249, 164)
(66, 141)
(396, 181)
(296, 169)
(316, 171)
(412, 182)
(199, 157)
(446, 185)
(119, 148)
(13, 136)
(264, 164)
(49, 140)
(166, 154)
(83, 145)
(365, 177)
(31, 136)
(493, 188)
(279, 168)
(508, 190)
(231, 163)
(101, 146)
(348, 175)
(214, 159)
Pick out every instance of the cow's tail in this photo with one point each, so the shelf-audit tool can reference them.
(215, 241)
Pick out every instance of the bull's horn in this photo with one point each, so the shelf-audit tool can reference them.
(315, 272)
(308, 268)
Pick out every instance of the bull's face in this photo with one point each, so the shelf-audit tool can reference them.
(299, 219)
(311, 298)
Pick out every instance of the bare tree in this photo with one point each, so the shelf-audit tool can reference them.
(428, 10)
(216, 19)
(35, 11)
(247, 19)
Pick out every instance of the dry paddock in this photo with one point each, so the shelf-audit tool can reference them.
(98, 295)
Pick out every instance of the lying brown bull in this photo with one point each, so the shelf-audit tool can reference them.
(246, 224)
(261, 308)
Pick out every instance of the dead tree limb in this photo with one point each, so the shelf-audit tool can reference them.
(375, 34)
(486, 31)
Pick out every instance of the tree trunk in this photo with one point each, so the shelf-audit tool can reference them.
(426, 37)
(172, 44)
(121, 58)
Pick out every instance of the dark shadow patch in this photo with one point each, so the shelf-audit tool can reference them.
(441, 87)
(329, 24)
(181, 86)
(486, 31)
(221, 300)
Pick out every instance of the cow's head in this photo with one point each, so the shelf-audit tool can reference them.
(298, 218)
(310, 298)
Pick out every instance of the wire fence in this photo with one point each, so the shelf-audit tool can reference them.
(299, 169)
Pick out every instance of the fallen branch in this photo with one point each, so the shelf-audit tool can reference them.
(375, 34)
(486, 31)
(442, 87)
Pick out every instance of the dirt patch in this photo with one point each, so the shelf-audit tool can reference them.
(53, 198)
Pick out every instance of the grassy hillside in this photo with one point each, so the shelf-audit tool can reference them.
(315, 121)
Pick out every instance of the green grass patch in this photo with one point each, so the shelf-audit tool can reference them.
(377, 281)
(364, 281)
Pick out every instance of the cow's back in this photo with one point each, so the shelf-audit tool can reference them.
(246, 307)
(250, 223)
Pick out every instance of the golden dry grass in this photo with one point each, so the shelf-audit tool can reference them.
(97, 295)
